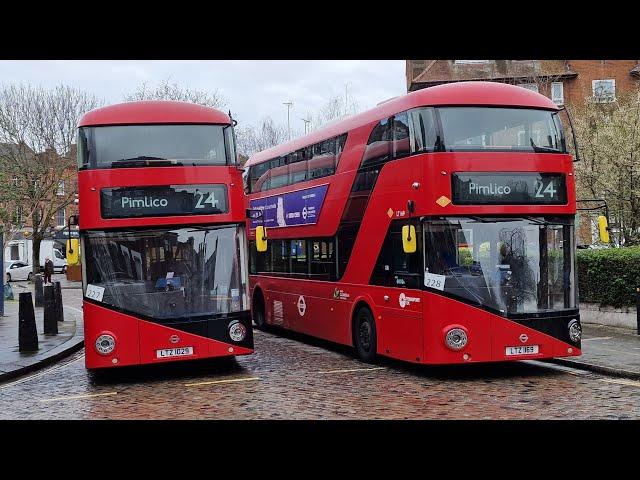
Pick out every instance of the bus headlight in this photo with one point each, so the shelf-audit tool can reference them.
(456, 339)
(105, 344)
(575, 330)
(237, 331)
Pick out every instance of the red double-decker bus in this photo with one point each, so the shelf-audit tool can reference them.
(435, 228)
(162, 225)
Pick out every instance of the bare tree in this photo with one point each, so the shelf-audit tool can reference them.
(609, 139)
(37, 133)
(336, 107)
(255, 139)
(172, 91)
(268, 134)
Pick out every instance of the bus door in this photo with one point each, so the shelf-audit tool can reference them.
(398, 298)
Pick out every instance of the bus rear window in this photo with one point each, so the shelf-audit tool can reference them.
(501, 129)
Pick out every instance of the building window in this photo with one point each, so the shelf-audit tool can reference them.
(469, 62)
(530, 86)
(604, 90)
(557, 93)
(60, 218)
(60, 190)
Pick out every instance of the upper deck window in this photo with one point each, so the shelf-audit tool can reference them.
(315, 161)
(155, 145)
(501, 129)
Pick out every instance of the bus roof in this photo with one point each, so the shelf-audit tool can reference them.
(460, 93)
(153, 111)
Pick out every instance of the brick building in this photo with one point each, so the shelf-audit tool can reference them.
(566, 82)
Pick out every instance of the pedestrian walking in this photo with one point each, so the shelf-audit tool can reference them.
(48, 270)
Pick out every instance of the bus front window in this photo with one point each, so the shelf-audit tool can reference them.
(169, 274)
(155, 145)
(509, 265)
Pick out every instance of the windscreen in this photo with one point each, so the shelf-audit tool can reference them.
(169, 274)
(493, 128)
(511, 265)
(155, 145)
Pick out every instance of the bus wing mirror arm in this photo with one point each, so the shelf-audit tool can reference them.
(573, 133)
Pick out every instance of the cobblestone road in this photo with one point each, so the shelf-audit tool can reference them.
(293, 377)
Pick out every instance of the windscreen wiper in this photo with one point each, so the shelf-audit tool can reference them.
(538, 149)
(144, 161)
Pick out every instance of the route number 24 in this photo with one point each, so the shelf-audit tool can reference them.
(549, 190)
(211, 200)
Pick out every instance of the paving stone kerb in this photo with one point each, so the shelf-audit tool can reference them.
(51, 349)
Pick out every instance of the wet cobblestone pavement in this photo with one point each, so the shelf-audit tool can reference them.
(294, 377)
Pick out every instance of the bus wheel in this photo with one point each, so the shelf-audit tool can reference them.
(258, 311)
(364, 335)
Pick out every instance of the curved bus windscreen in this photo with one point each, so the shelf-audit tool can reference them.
(169, 274)
(155, 145)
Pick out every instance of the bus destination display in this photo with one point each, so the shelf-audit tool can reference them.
(156, 201)
(508, 188)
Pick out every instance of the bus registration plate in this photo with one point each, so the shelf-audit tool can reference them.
(522, 350)
(174, 352)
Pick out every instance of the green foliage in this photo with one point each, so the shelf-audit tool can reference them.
(609, 276)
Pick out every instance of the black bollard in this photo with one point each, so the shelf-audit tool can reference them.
(39, 291)
(57, 290)
(50, 323)
(27, 333)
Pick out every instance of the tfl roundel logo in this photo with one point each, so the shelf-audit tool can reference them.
(404, 300)
(174, 338)
(523, 338)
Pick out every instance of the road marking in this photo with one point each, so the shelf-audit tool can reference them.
(231, 380)
(619, 381)
(353, 370)
(596, 338)
(562, 368)
(75, 397)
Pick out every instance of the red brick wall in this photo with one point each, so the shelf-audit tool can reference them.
(576, 90)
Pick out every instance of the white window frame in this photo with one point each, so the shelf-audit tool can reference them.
(64, 218)
(603, 99)
(529, 86)
(470, 62)
(60, 190)
(558, 100)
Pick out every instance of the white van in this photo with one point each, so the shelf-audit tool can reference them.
(22, 250)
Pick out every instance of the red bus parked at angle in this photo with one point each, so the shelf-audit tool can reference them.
(162, 220)
(435, 228)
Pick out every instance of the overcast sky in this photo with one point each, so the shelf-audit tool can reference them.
(253, 89)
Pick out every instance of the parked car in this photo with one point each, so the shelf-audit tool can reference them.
(18, 270)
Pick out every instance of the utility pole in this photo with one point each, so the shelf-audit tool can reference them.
(346, 85)
(306, 122)
(289, 104)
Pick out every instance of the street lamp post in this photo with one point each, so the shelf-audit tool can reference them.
(306, 122)
(289, 104)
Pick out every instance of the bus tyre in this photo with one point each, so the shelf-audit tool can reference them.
(364, 334)
(258, 312)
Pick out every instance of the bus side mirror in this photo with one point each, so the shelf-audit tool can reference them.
(73, 220)
(261, 238)
(409, 238)
(603, 227)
